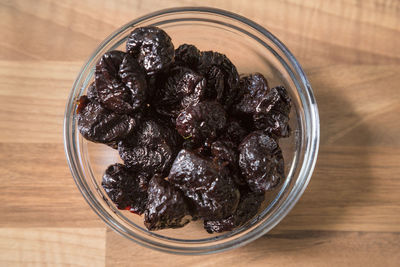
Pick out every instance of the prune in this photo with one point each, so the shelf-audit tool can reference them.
(222, 77)
(112, 92)
(98, 124)
(125, 188)
(92, 92)
(224, 151)
(254, 88)
(152, 149)
(166, 207)
(261, 161)
(226, 154)
(108, 65)
(133, 77)
(187, 55)
(206, 184)
(202, 122)
(248, 207)
(152, 47)
(234, 132)
(272, 113)
(180, 88)
(197, 142)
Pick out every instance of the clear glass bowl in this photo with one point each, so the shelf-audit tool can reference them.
(252, 49)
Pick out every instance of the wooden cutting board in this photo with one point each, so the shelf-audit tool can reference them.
(348, 216)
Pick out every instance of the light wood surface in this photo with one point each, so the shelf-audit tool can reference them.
(348, 216)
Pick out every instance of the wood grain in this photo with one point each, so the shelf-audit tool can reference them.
(349, 214)
(286, 248)
(52, 246)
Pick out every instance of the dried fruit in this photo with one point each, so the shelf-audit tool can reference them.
(268, 108)
(187, 55)
(225, 153)
(180, 88)
(222, 77)
(152, 47)
(133, 77)
(125, 188)
(196, 141)
(261, 161)
(92, 92)
(234, 131)
(98, 124)
(152, 149)
(206, 184)
(111, 92)
(272, 113)
(166, 207)
(248, 207)
(254, 89)
(202, 122)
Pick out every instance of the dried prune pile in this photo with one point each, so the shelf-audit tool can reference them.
(197, 140)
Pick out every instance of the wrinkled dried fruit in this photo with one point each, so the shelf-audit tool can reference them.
(224, 151)
(133, 77)
(166, 207)
(92, 92)
(272, 113)
(202, 122)
(234, 132)
(98, 124)
(152, 47)
(152, 149)
(112, 93)
(254, 88)
(187, 55)
(125, 188)
(197, 142)
(222, 77)
(248, 207)
(226, 154)
(206, 184)
(261, 161)
(180, 88)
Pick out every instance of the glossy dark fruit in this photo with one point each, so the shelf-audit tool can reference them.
(152, 85)
(202, 122)
(152, 47)
(92, 92)
(254, 89)
(124, 188)
(261, 161)
(152, 148)
(133, 77)
(108, 65)
(166, 206)
(98, 124)
(222, 77)
(111, 91)
(197, 141)
(187, 55)
(234, 131)
(272, 113)
(225, 153)
(206, 184)
(180, 88)
(248, 207)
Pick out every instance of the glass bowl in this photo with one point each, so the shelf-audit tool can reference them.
(252, 49)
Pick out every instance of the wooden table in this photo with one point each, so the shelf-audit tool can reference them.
(348, 216)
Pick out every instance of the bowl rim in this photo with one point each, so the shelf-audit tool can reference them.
(311, 143)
